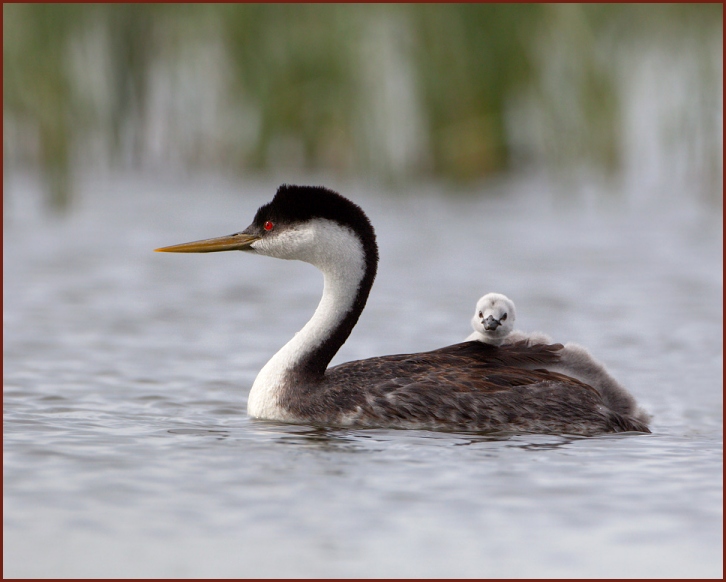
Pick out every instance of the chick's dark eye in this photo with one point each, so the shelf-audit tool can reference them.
(503, 317)
(481, 314)
(268, 225)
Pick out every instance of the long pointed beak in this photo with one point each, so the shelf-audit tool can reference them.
(232, 242)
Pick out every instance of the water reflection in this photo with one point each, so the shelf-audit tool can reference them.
(323, 439)
(350, 439)
(218, 434)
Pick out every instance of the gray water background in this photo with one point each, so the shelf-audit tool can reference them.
(128, 452)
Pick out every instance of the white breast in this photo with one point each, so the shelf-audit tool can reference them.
(338, 253)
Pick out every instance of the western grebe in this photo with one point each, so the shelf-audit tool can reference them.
(493, 323)
(469, 386)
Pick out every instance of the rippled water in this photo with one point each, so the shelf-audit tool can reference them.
(127, 450)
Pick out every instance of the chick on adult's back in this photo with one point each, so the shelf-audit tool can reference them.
(469, 386)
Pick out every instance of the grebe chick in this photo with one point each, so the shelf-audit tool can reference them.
(493, 319)
(493, 323)
(471, 386)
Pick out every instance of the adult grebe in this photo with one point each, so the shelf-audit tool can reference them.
(470, 386)
(493, 323)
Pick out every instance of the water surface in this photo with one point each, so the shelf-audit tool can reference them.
(127, 450)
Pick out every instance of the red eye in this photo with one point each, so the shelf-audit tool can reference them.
(268, 225)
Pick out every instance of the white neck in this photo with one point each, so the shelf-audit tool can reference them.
(338, 253)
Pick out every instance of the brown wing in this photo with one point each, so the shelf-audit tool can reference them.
(465, 367)
(470, 386)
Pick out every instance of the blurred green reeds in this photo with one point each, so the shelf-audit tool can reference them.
(393, 91)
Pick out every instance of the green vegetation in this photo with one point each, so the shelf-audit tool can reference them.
(393, 90)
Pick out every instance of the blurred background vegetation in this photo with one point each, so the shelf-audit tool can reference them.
(390, 92)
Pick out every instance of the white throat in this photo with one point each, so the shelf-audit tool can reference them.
(338, 253)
